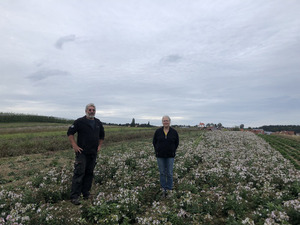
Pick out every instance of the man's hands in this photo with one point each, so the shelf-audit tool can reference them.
(74, 145)
(100, 144)
(77, 149)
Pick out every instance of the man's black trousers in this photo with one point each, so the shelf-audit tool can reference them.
(83, 175)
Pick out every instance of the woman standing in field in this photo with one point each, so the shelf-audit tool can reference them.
(165, 142)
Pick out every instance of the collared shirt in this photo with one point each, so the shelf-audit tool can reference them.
(88, 135)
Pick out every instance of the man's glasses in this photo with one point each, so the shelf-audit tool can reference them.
(92, 110)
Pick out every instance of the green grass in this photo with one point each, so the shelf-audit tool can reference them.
(288, 146)
(31, 138)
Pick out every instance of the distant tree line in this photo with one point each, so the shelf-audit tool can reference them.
(129, 124)
(275, 128)
(13, 117)
(132, 124)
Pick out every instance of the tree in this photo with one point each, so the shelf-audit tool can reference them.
(132, 123)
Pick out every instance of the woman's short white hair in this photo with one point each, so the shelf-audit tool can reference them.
(90, 105)
(166, 116)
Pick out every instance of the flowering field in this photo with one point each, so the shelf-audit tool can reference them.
(220, 177)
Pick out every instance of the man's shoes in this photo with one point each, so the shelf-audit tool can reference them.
(164, 193)
(75, 201)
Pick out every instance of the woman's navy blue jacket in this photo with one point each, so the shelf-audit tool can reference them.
(88, 136)
(165, 146)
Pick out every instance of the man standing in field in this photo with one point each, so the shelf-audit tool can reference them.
(165, 142)
(89, 140)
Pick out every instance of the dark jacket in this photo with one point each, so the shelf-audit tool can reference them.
(88, 136)
(165, 146)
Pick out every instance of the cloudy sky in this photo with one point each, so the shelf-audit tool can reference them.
(231, 62)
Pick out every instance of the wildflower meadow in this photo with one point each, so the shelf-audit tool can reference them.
(220, 177)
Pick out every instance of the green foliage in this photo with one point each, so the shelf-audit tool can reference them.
(294, 216)
(47, 138)
(289, 148)
(236, 128)
(105, 214)
(13, 117)
(132, 123)
(233, 204)
(30, 143)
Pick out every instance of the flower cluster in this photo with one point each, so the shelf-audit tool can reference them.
(33, 202)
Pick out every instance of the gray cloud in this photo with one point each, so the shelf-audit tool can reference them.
(44, 74)
(231, 62)
(173, 58)
(61, 41)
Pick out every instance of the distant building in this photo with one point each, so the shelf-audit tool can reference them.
(201, 125)
(257, 131)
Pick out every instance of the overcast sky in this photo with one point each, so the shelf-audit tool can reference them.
(231, 62)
